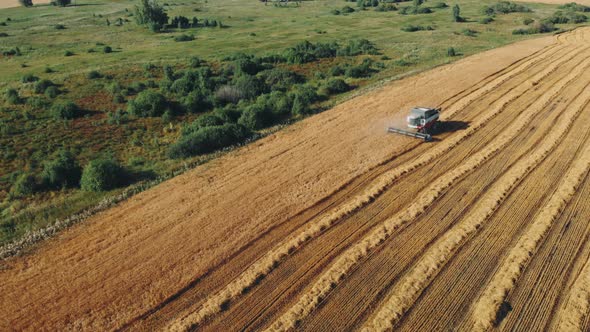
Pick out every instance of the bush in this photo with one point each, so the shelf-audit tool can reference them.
(42, 85)
(362, 70)
(195, 62)
(63, 171)
(59, 27)
(335, 12)
(12, 97)
(451, 51)
(61, 3)
(26, 3)
(280, 79)
(527, 21)
(184, 38)
(505, 7)
(65, 110)
(196, 102)
(107, 49)
(51, 92)
(209, 139)
(358, 47)
(469, 32)
(68, 53)
(457, 14)
(29, 78)
(25, 185)
(347, 10)
(3, 34)
(93, 75)
(413, 28)
(560, 17)
(305, 52)
(249, 86)
(336, 70)
(336, 85)
(440, 5)
(486, 20)
(102, 175)
(537, 27)
(205, 120)
(148, 104)
(255, 117)
(575, 7)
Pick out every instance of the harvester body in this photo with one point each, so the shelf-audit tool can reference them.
(422, 120)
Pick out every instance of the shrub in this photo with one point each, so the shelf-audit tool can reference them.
(413, 28)
(560, 17)
(37, 103)
(148, 104)
(439, 5)
(3, 34)
(195, 62)
(362, 70)
(451, 51)
(229, 94)
(180, 22)
(63, 171)
(93, 75)
(51, 92)
(209, 139)
(336, 85)
(505, 7)
(61, 3)
(25, 185)
(486, 20)
(249, 86)
(107, 49)
(29, 78)
(305, 52)
(280, 79)
(255, 117)
(527, 21)
(347, 9)
(205, 120)
(457, 14)
(42, 85)
(102, 175)
(68, 53)
(469, 32)
(358, 47)
(184, 38)
(65, 110)
(335, 12)
(48, 70)
(336, 70)
(59, 27)
(277, 103)
(537, 27)
(572, 6)
(12, 97)
(196, 102)
(26, 3)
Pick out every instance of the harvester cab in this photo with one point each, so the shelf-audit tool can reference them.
(422, 122)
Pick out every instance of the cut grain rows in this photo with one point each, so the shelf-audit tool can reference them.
(549, 71)
(434, 218)
(251, 276)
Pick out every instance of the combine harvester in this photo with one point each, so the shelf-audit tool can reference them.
(423, 120)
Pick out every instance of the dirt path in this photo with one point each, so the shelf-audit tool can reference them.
(244, 241)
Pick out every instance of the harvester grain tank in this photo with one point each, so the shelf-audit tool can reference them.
(422, 122)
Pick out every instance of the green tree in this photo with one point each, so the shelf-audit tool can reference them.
(151, 14)
(417, 3)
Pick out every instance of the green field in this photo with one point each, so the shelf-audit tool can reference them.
(30, 134)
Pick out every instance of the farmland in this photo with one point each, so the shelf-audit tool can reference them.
(330, 223)
(461, 233)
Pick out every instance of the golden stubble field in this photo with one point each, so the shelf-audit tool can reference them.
(332, 224)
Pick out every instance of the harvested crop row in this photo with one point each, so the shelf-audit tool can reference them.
(270, 260)
(462, 103)
(485, 310)
(407, 290)
(349, 258)
(576, 310)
